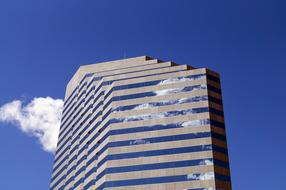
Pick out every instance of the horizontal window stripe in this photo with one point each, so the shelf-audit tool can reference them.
(213, 78)
(60, 172)
(153, 127)
(153, 166)
(217, 124)
(162, 103)
(191, 111)
(214, 89)
(67, 105)
(90, 172)
(153, 180)
(215, 100)
(69, 181)
(164, 165)
(71, 169)
(58, 182)
(82, 86)
(82, 169)
(156, 82)
(151, 93)
(220, 163)
(81, 180)
(67, 100)
(60, 163)
(222, 177)
(91, 183)
(159, 139)
(117, 69)
(148, 153)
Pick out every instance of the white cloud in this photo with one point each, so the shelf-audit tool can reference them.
(143, 117)
(206, 162)
(192, 123)
(206, 176)
(40, 118)
(172, 81)
(139, 141)
(201, 176)
(172, 90)
(167, 91)
(192, 176)
(143, 106)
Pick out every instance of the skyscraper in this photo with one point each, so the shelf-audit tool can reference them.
(141, 123)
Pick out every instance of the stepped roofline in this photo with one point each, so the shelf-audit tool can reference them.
(104, 66)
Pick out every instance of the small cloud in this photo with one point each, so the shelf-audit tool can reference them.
(206, 162)
(201, 176)
(139, 141)
(192, 123)
(206, 176)
(39, 118)
(142, 117)
(168, 91)
(143, 106)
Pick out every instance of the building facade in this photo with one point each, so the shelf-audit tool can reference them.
(142, 124)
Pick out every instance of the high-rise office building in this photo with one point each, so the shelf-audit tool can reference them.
(142, 124)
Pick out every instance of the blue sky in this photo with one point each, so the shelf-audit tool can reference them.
(42, 43)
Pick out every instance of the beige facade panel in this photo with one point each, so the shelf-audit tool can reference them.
(169, 186)
(140, 71)
(159, 77)
(159, 173)
(155, 173)
(169, 97)
(159, 87)
(163, 121)
(160, 146)
(160, 133)
(159, 159)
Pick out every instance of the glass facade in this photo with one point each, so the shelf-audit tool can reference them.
(142, 123)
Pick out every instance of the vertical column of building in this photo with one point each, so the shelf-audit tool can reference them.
(94, 122)
(94, 132)
(219, 142)
(72, 178)
(85, 133)
(82, 133)
(61, 164)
